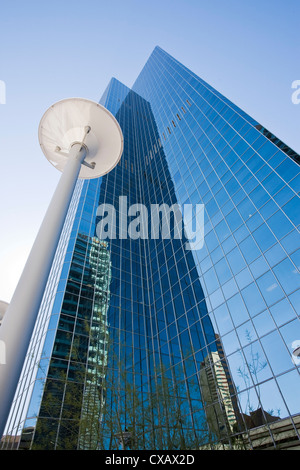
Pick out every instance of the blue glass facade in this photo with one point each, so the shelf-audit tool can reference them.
(141, 335)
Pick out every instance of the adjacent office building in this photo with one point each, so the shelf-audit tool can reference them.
(146, 340)
(3, 308)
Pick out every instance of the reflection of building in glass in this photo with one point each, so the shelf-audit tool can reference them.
(168, 306)
(72, 394)
(93, 395)
(218, 394)
(100, 266)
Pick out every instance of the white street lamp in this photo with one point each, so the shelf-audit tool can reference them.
(82, 139)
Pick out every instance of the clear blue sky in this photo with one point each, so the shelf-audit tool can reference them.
(248, 50)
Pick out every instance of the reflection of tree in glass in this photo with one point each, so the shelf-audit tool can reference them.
(156, 415)
(111, 408)
(249, 372)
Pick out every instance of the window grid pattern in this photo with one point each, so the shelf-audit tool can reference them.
(249, 189)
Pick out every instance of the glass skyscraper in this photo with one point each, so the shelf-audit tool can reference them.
(144, 343)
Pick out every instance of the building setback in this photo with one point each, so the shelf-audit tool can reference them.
(143, 343)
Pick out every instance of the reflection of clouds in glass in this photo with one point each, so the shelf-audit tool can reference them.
(296, 346)
(272, 287)
(296, 351)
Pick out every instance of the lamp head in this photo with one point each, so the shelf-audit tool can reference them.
(77, 120)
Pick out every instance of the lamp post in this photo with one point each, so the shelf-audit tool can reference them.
(82, 139)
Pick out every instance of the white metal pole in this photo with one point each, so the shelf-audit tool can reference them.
(20, 317)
